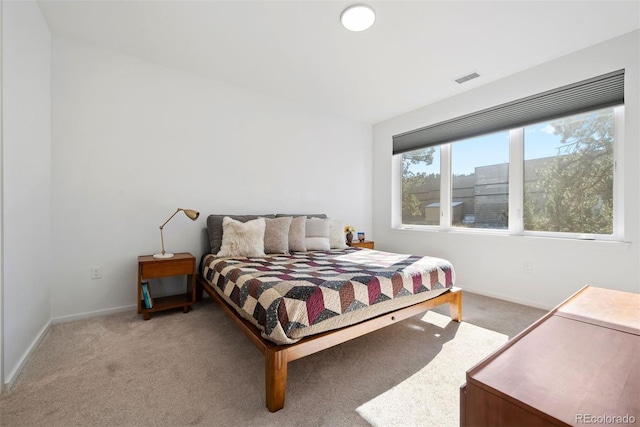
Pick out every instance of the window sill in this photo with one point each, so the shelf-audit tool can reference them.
(606, 242)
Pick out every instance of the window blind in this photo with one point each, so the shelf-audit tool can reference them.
(598, 92)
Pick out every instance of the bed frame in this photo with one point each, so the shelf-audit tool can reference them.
(276, 357)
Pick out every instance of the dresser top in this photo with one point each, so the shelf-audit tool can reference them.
(581, 358)
(604, 307)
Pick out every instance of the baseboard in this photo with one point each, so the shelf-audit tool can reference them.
(504, 298)
(90, 314)
(13, 376)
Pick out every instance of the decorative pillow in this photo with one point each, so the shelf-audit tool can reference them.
(317, 234)
(276, 235)
(242, 238)
(297, 234)
(336, 234)
(214, 228)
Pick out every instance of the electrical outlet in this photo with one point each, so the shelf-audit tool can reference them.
(528, 267)
(96, 272)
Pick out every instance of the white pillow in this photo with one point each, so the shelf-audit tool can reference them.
(242, 238)
(336, 234)
(317, 235)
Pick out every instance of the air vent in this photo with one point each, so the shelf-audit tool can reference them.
(467, 77)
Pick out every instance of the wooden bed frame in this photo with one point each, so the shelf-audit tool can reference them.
(276, 357)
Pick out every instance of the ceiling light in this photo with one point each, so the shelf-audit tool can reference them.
(358, 17)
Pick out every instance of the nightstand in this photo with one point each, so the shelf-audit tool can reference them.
(367, 244)
(156, 268)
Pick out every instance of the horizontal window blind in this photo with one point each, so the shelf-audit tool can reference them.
(591, 94)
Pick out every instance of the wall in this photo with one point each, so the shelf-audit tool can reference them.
(494, 264)
(1, 215)
(26, 181)
(132, 141)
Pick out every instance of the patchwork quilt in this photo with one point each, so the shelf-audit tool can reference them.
(290, 296)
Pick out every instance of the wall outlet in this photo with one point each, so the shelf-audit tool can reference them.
(528, 267)
(96, 272)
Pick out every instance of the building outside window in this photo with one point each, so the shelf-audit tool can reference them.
(480, 182)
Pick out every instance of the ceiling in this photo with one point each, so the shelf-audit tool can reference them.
(298, 50)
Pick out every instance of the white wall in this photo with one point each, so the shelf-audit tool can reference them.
(132, 141)
(26, 181)
(1, 215)
(491, 264)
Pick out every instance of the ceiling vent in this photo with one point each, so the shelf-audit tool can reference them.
(467, 77)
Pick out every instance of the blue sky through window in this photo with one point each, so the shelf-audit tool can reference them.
(493, 149)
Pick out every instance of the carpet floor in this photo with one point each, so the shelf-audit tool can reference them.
(198, 369)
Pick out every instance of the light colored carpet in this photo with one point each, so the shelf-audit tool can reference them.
(197, 369)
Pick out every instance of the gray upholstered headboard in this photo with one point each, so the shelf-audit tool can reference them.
(214, 225)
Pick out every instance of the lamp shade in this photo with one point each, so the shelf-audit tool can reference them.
(193, 215)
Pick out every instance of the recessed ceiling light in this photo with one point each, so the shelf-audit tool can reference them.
(358, 17)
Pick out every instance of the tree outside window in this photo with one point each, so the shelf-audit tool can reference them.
(572, 191)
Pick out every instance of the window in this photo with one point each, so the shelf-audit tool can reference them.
(541, 165)
(567, 180)
(421, 186)
(568, 174)
(480, 182)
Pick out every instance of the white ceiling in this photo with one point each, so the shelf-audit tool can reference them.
(298, 50)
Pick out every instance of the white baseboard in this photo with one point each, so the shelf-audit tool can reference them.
(13, 376)
(502, 297)
(90, 314)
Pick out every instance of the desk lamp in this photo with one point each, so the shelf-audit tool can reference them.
(193, 215)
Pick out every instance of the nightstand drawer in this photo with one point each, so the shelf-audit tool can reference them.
(176, 267)
(368, 244)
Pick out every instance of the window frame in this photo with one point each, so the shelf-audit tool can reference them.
(516, 190)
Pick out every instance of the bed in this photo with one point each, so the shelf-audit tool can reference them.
(291, 305)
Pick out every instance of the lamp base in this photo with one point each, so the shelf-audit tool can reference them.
(165, 255)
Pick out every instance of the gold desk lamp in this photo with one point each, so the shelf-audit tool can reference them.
(193, 215)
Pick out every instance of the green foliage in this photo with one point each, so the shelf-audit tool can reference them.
(411, 181)
(417, 157)
(576, 188)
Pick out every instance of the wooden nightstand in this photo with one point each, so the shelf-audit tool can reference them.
(368, 244)
(155, 268)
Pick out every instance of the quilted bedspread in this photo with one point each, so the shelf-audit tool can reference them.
(285, 294)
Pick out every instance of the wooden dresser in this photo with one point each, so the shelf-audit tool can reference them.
(578, 365)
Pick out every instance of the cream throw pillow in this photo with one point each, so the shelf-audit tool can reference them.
(337, 239)
(242, 238)
(317, 235)
(276, 235)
